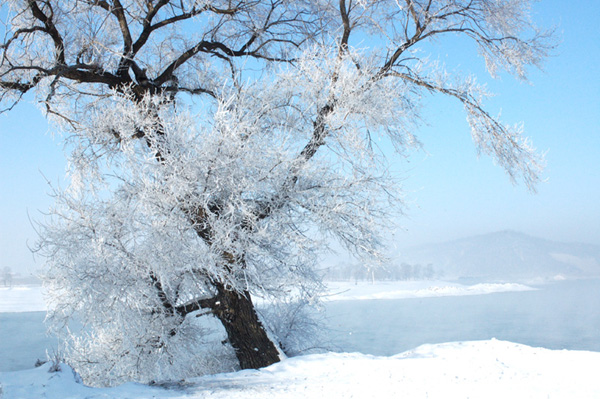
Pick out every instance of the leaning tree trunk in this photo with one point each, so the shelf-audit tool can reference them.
(245, 332)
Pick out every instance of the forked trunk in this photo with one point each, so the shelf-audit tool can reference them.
(245, 332)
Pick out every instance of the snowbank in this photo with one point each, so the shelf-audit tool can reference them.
(345, 291)
(479, 369)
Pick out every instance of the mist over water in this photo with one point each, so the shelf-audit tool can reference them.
(562, 315)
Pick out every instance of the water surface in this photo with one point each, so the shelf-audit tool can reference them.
(564, 315)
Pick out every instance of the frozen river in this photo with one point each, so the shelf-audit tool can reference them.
(564, 315)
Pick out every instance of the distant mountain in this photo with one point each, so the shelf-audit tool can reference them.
(506, 255)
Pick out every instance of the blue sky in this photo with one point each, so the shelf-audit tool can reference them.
(458, 194)
(450, 192)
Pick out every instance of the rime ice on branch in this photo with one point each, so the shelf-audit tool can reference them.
(219, 145)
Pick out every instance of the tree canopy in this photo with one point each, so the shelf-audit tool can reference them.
(219, 145)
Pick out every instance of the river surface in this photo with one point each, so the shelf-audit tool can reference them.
(564, 315)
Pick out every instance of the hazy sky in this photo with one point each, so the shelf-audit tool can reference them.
(450, 193)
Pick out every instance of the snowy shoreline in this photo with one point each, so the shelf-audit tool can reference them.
(30, 298)
(476, 369)
(22, 298)
(349, 291)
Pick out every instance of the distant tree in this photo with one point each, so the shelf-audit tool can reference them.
(417, 272)
(406, 271)
(428, 272)
(218, 146)
(7, 276)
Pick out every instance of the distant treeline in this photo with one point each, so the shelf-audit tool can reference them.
(9, 279)
(391, 272)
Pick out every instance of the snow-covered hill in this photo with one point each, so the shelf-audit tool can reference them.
(480, 369)
(506, 256)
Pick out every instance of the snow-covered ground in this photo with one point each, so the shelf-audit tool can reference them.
(477, 369)
(30, 298)
(474, 369)
(345, 291)
(21, 299)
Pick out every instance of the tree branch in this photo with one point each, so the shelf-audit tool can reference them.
(50, 28)
(22, 87)
(197, 304)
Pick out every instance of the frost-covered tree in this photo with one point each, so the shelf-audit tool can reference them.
(218, 146)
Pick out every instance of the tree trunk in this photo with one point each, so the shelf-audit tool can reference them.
(245, 332)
